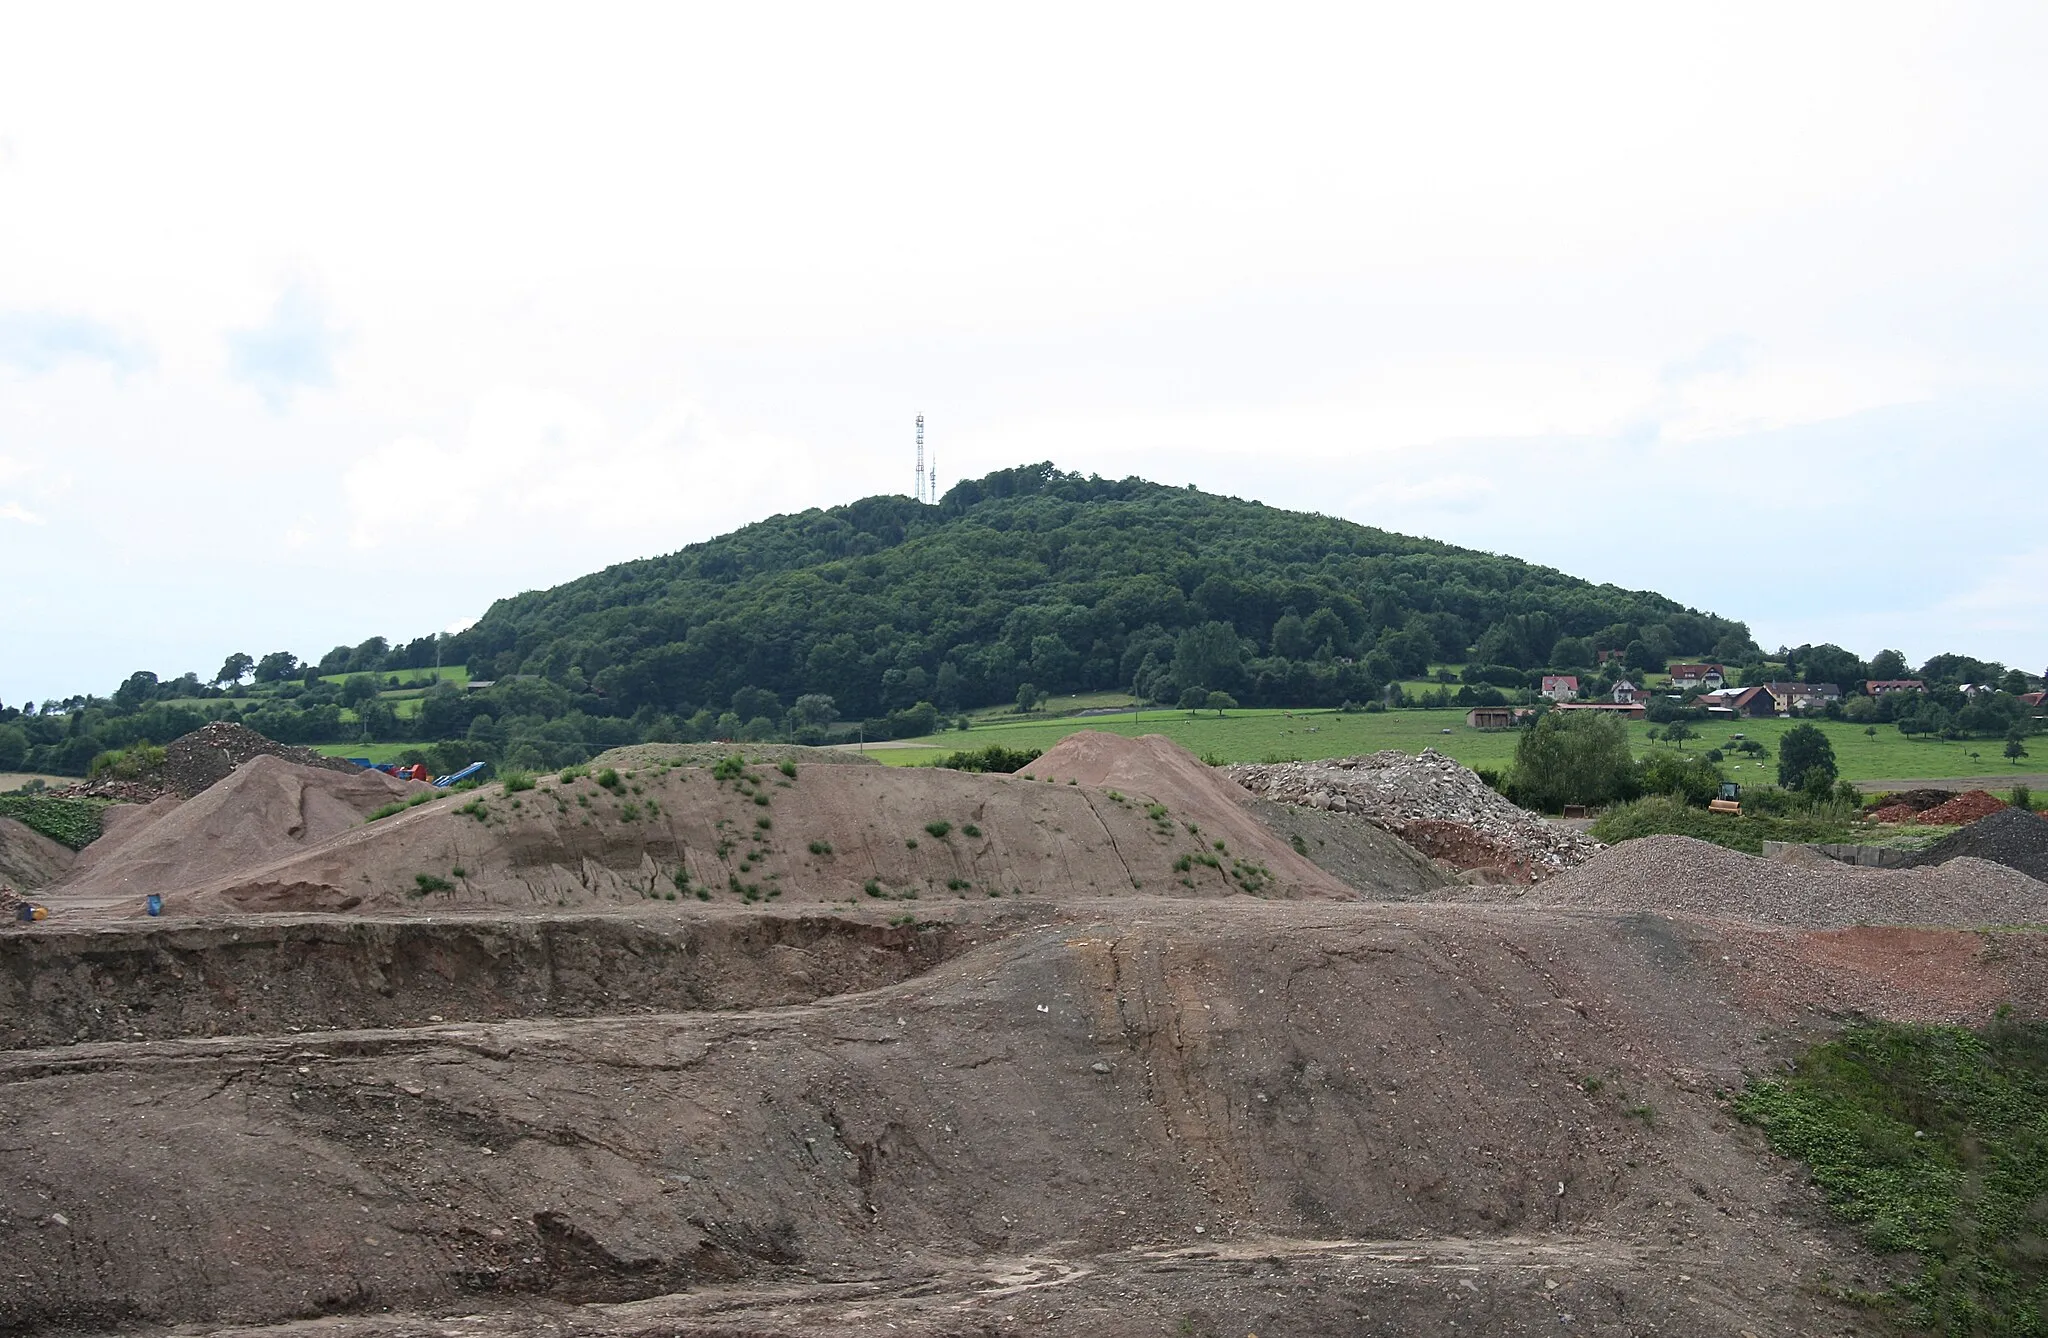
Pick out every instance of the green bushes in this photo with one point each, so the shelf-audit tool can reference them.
(515, 781)
(994, 758)
(1664, 815)
(609, 779)
(938, 828)
(423, 883)
(1932, 1141)
(68, 822)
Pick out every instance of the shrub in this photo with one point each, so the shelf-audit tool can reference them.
(764, 822)
(821, 847)
(609, 779)
(570, 774)
(2022, 797)
(384, 811)
(872, 888)
(427, 882)
(969, 829)
(994, 758)
(938, 827)
(515, 781)
(786, 767)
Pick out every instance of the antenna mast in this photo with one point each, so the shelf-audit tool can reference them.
(920, 457)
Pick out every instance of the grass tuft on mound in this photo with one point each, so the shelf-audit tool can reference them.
(1933, 1141)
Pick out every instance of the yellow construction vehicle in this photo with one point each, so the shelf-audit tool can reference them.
(1730, 801)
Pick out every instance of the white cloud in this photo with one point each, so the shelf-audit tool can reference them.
(542, 467)
(17, 512)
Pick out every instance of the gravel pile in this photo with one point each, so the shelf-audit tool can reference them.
(209, 753)
(1400, 792)
(2011, 836)
(1677, 873)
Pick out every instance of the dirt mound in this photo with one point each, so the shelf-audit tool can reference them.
(266, 809)
(28, 859)
(2011, 836)
(728, 834)
(1964, 808)
(1312, 1119)
(1670, 874)
(1364, 855)
(210, 753)
(1432, 794)
(1915, 801)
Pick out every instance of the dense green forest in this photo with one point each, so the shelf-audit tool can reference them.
(891, 615)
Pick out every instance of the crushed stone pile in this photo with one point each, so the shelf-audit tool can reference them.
(1679, 874)
(208, 754)
(1426, 800)
(1966, 807)
(2011, 836)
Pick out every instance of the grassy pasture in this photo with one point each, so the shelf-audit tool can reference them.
(1252, 735)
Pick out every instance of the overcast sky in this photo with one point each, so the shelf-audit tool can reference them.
(322, 324)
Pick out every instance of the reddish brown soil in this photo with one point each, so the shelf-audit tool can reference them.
(1964, 808)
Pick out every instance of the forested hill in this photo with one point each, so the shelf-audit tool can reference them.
(1063, 582)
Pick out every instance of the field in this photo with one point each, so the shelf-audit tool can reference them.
(1254, 736)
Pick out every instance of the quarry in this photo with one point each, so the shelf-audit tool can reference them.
(776, 1041)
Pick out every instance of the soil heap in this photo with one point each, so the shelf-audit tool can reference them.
(2010, 836)
(1677, 874)
(725, 834)
(264, 810)
(1439, 807)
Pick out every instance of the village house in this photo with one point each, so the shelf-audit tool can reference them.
(1627, 693)
(1796, 698)
(1708, 676)
(1561, 687)
(1884, 687)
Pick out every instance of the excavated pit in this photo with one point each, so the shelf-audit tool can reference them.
(162, 982)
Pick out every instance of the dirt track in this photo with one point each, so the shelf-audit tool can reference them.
(1086, 1110)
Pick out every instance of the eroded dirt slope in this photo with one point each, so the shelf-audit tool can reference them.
(1099, 1095)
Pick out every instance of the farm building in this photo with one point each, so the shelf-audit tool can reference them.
(1627, 693)
(1497, 717)
(1561, 687)
(1884, 687)
(1626, 710)
(1757, 703)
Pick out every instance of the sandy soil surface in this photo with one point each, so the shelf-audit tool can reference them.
(1121, 1096)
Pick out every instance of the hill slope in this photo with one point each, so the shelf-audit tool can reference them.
(1067, 583)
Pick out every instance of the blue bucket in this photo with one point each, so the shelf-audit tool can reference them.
(25, 913)
(155, 903)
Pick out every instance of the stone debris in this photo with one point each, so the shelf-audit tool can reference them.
(1430, 796)
(1676, 874)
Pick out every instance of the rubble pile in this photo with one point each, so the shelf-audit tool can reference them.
(1426, 800)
